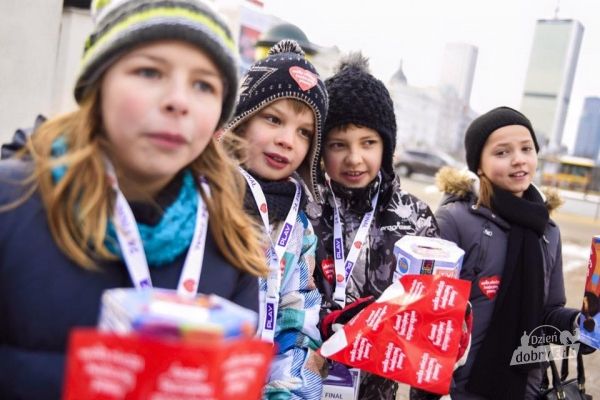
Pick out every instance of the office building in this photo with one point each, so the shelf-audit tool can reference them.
(549, 78)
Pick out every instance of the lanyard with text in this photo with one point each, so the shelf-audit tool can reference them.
(268, 315)
(344, 266)
(132, 247)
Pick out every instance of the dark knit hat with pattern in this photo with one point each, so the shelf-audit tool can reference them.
(484, 125)
(285, 74)
(357, 97)
(121, 25)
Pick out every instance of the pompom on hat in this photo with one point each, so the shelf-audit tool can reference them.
(285, 74)
(121, 25)
(484, 125)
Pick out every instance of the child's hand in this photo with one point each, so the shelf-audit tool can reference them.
(465, 340)
(336, 319)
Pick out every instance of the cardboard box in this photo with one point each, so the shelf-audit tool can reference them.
(589, 328)
(420, 255)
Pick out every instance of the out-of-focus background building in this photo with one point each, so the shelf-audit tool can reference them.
(42, 41)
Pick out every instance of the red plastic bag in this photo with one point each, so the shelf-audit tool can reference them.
(411, 334)
(108, 366)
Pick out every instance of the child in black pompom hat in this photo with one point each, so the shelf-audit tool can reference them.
(359, 182)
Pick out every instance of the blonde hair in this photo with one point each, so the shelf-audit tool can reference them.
(486, 190)
(78, 212)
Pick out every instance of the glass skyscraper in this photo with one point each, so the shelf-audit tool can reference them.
(549, 79)
(587, 143)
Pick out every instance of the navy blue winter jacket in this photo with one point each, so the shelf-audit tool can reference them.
(43, 294)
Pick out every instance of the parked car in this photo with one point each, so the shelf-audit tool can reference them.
(420, 161)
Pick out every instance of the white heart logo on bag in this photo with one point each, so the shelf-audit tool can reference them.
(489, 286)
(304, 78)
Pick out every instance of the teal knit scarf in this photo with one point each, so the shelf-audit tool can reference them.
(168, 239)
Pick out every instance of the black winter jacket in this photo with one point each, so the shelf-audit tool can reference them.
(398, 214)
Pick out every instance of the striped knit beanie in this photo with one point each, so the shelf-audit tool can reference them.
(285, 74)
(121, 25)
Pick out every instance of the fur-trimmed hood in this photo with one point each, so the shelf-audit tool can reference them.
(464, 184)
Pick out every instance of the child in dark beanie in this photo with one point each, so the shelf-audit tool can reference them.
(360, 187)
(513, 254)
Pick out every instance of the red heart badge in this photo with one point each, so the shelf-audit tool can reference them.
(190, 285)
(357, 244)
(489, 286)
(304, 78)
(263, 208)
(327, 266)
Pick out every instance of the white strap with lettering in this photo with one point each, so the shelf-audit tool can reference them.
(344, 266)
(268, 314)
(133, 249)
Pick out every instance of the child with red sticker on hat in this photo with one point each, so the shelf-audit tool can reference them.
(512, 254)
(365, 210)
(276, 135)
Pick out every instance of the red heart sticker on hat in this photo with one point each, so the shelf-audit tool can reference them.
(304, 78)
(489, 286)
(189, 285)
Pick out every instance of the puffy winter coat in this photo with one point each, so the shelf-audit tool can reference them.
(398, 213)
(483, 236)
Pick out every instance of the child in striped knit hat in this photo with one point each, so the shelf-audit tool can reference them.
(135, 167)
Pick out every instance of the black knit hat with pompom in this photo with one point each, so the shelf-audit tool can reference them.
(357, 97)
(285, 74)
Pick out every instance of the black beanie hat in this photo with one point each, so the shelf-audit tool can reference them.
(484, 125)
(285, 74)
(357, 97)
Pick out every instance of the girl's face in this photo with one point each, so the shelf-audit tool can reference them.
(160, 105)
(509, 159)
(278, 140)
(352, 156)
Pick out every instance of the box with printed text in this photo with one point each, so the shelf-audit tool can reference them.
(420, 255)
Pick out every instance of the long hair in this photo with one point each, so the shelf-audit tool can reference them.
(486, 190)
(78, 212)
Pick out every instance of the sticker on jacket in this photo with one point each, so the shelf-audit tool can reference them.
(489, 286)
(328, 268)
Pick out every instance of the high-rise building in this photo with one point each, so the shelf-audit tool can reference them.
(549, 79)
(458, 70)
(587, 143)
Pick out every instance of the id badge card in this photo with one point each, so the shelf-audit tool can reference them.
(342, 382)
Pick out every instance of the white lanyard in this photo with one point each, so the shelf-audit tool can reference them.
(344, 266)
(268, 312)
(133, 248)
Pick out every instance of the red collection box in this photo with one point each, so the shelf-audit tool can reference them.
(411, 334)
(107, 366)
